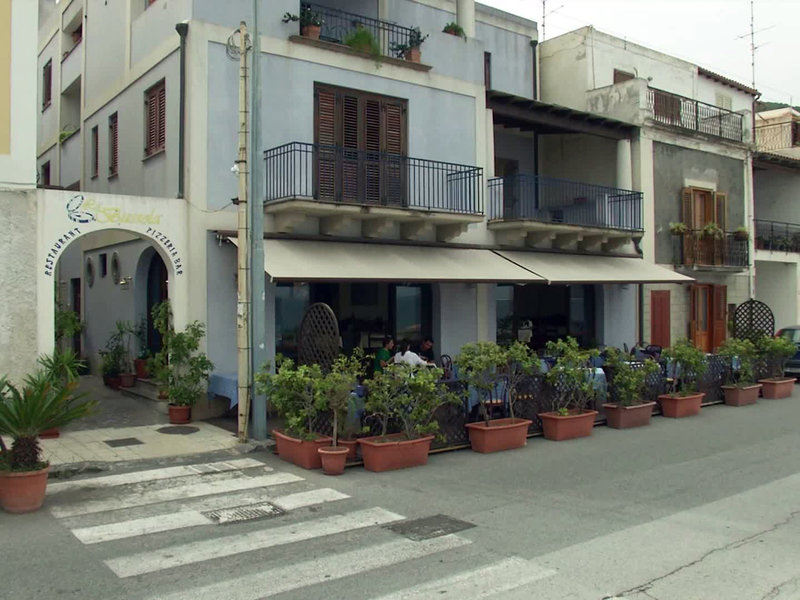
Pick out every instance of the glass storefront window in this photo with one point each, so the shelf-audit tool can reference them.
(408, 312)
(504, 305)
(291, 302)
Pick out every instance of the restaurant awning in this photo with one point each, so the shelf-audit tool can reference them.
(582, 268)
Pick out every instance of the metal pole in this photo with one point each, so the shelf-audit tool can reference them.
(243, 308)
(258, 326)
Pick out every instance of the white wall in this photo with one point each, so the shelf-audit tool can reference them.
(776, 286)
(456, 306)
(619, 315)
(777, 194)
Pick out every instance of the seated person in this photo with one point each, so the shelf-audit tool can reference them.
(426, 349)
(406, 356)
(384, 355)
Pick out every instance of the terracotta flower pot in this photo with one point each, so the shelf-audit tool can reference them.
(3, 485)
(413, 55)
(574, 425)
(140, 366)
(49, 434)
(777, 387)
(394, 452)
(127, 380)
(352, 446)
(333, 459)
(114, 382)
(179, 415)
(625, 417)
(302, 453)
(499, 435)
(311, 31)
(681, 406)
(23, 490)
(741, 396)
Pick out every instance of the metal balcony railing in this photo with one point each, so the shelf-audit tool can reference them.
(347, 176)
(338, 24)
(778, 236)
(694, 248)
(549, 200)
(778, 136)
(679, 111)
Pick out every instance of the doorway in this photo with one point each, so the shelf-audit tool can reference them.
(660, 323)
(157, 292)
(75, 299)
(708, 315)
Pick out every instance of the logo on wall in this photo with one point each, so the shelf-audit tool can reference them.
(75, 213)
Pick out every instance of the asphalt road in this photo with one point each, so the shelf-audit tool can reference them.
(706, 508)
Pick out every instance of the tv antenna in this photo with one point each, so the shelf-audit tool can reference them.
(752, 36)
(545, 12)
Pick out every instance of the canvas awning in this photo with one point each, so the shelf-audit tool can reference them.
(581, 268)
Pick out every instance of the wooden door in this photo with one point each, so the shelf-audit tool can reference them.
(719, 315)
(700, 318)
(75, 292)
(660, 318)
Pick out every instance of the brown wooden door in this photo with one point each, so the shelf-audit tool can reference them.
(719, 315)
(700, 322)
(659, 318)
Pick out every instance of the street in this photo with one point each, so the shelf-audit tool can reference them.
(698, 508)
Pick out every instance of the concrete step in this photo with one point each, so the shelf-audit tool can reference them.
(203, 409)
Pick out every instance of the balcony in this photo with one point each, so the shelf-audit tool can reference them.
(559, 211)
(71, 66)
(695, 250)
(340, 186)
(778, 136)
(678, 111)
(777, 236)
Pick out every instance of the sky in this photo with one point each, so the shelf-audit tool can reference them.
(705, 32)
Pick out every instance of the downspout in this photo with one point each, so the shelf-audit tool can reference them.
(182, 29)
(640, 332)
(534, 45)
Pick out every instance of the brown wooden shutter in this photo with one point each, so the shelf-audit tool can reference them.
(394, 188)
(721, 210)
(95, 150)
(719, 315)
(351, 142)
(162, 117)
(660, 318)
(151, 132)
(373, 147)
(687, 216)
(47, 83)
(113, 144)
(326, 140)
(693, 301)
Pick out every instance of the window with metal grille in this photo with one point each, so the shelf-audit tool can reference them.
(95, 150)
(47, 84)
(155, 118)
(113, 145)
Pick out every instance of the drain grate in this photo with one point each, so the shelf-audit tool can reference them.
(178, 430)
(123, 442)
(429, 527)
(249, 512)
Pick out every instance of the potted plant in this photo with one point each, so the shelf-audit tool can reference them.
(740, 387)
(627, 384)
(410, 50)
(455, 29)
(24, 414)
(122, 337)
(712, 231)
(362, 40)
(61, 368)
(158, 364)
(678, 228)
(741, 234)
(482, 364)
(773, 353)
(188, 371)
(334, 390)
(408, 397)
(140, 363)
(572, 383)
(110, 368)
(686, 364)
(310, 22)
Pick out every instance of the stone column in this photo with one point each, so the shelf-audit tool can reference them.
(624, 170)
(465, 16)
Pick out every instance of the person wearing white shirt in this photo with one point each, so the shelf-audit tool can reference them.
(408, 357)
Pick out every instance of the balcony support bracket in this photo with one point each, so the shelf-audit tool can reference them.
(446, 233)
(567, 240)
(332, 225)
(540, 238)
(285, 222)
(593, 243)
(414, 230)
(374, 228)
(617, 243)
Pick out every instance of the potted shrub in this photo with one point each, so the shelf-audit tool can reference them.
(362, 40)
(773, 353)
(24, 414)
(406, 396)
(310, 22)
(110, 361)
(712, 231)
(678, 228)
(741, 234)
(572, 382)
(628, 383)
(140, 363)
(188, 371)
(61, 368)
(292, 392)
(455, 29)
(740, 387)
(686, 364)
(410, 50)
(334, 390)
(123, 336)
(481, 364)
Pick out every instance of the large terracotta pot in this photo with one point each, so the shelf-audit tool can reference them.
(49, 434)
(140, 366)
(394, 452)
(3, 485)
(500, 434)
(625, 417)
(333, 459)
(777, 387)
(23, 491)
(127, 380)
(574, 425)
(681, 406)
(741, 396)
(179, 415)
(114, 382)
(413, 55)
(311, 31)
(302, 453)
(352, 446)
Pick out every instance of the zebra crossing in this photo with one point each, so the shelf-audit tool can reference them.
(203, 517)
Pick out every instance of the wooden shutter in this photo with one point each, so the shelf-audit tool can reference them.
(162, 117)
(47, 83)
(152, 118)
(719, 315)
(721, 210)
(660, 318)
(687, 216)
(693, 293)
(326, 139)
(351, 142)
(372, 145)
(95, 150)
(394, 188)
(113, 144)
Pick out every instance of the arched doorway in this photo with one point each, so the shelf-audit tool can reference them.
(157, 291)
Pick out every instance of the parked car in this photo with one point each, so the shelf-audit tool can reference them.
(792, 334)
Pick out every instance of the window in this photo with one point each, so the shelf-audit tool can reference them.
(47, 84)
(701, 207)
(95, 151)
(666, 107)
(620, 76)
(113, 145)
(155, 119)
(103, 265)
(487, 70)
(723, 101)
(796, 133)
(46, 174)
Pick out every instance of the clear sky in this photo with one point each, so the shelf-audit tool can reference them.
(704, 32)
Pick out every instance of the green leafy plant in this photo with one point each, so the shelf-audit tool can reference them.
(454, 28)
(415, 40)
(745, 352)
(741, 234)
(712, 231)
(773, 352)
(688, 365)
(307, 17)
(362, 40)
(335, 388)
(140, 332)
(628, 381)
(66, 324)
(678, 228)
(158, 365)
(571, 377)
(293, 391)
(61, 367)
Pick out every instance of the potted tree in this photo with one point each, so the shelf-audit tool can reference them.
(572, 383)
(188, 371)
(740, 387)
(482, 364)
(310, 22)
(410, 50)
(773, 353)
(628, 383)
(24, 414)
(408, 397)
(293, 392)
(686, 364)
(110, 366)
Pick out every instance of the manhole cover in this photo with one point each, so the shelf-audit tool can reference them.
(178, 430)
(429, 527)
(249, 512)
(123, 442)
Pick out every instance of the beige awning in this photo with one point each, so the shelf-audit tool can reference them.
(581, 268)
(300, 260)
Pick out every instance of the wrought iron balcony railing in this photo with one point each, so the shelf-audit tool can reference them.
(679, 111)
(347, 176)
(338, 24)
(778, 236)
(694, 248)
(778, 136)
(536, 198)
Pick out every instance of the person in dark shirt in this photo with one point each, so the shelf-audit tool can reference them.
(426, 349)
